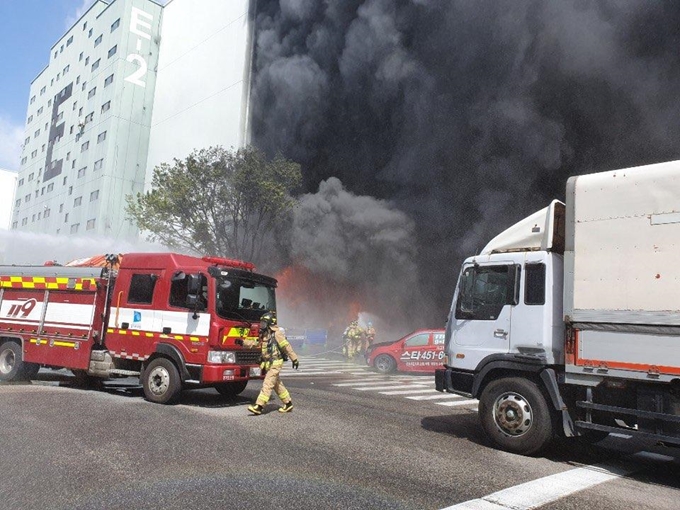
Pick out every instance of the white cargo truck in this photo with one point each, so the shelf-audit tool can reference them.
(568, 322)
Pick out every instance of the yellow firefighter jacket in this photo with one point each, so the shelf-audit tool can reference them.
(275, 348)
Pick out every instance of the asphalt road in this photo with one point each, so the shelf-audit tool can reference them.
(355, 440)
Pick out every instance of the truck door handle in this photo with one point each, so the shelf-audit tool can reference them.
(500, 333)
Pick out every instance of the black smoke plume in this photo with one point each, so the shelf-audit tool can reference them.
(464, 115)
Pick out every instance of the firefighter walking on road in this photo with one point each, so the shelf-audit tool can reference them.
(275, 350)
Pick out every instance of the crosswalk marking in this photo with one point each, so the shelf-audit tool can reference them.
(438, 396)
(390, 387)
(363, 378)
(457, 403)
(408, 392)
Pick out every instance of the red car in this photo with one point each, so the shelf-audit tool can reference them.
(420, 351)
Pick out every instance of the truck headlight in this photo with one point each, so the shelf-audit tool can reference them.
(221, 357)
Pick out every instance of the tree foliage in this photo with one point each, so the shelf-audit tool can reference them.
(217, 202)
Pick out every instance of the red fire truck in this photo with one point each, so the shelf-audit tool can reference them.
(171, 320)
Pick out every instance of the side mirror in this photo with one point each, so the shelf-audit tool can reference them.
(194, 284)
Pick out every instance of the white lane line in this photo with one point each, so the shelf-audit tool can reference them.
(545, 490)
(457, 403)
(391, 387)
(439, 396)
(308, 374)
(361, 383)
(408, 392)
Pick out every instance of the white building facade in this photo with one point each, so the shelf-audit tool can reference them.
(8, 184)
(132, 84)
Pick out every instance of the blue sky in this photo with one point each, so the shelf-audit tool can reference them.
(28, 29)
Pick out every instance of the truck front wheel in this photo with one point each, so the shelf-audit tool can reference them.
(515, 415)
(161, 381)
(11, 364)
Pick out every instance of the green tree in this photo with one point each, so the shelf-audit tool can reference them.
(217, 202)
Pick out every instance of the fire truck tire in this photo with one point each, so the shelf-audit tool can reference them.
(515, 415)
(11, 362)
(161, 381)
(385, 364)
(231, 389)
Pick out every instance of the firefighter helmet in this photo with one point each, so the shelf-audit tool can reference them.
(354, 323)
(268, 319)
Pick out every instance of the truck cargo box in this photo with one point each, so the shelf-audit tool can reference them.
(622, 246)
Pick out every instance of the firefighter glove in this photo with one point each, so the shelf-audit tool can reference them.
(238, 341)
(296, 364)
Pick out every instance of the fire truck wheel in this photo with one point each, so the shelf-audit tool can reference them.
(515, 415)
(231, 389)
(162, 383)
(385, 364)
(11, 364)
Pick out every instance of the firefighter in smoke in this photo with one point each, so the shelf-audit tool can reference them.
(354, 339)
(275, 350)
(369, 336)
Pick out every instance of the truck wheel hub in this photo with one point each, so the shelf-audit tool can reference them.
(6, 361)
(512, 414)
(159, 380)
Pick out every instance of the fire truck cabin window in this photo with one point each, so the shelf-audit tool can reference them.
(534, 287)
(179, 290)
(240, 299)
(141, 288)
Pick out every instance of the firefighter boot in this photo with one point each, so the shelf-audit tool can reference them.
(255, 409)
(287, 407)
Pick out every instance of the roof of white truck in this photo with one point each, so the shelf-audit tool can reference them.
(543, 230)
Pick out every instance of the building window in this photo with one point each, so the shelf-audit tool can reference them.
(77, 202)
(43, 90)
(95, 66)
(89, 33)
(33, 100)
(28, 139)
(36, 134)
(97, 41)
(115, 24)
(24, 221)
(66, 69)
(34, 154)
(21, 182)
(27, 198)
(98, 164)
(68, 154)
(61, 208)
(74, 228)
(49, 103)
(113, 51)
(80, 57)
(87, 61)
(90, 224)
(101, 137)
(14, 224)
(70, 191)
(69, 41)
(84, 26)
(94, 195)
(33, 219)
(77, 79)
(106, 106)
(81, 172)
(50, 187)
(47, 213)
(85, 146)
(23, 160)
(30, 119)
(30, 176)
(108, 81)
(92, 92)
(18, 203)
(40, 110)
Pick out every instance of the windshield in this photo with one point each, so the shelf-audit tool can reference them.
(241, 299)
